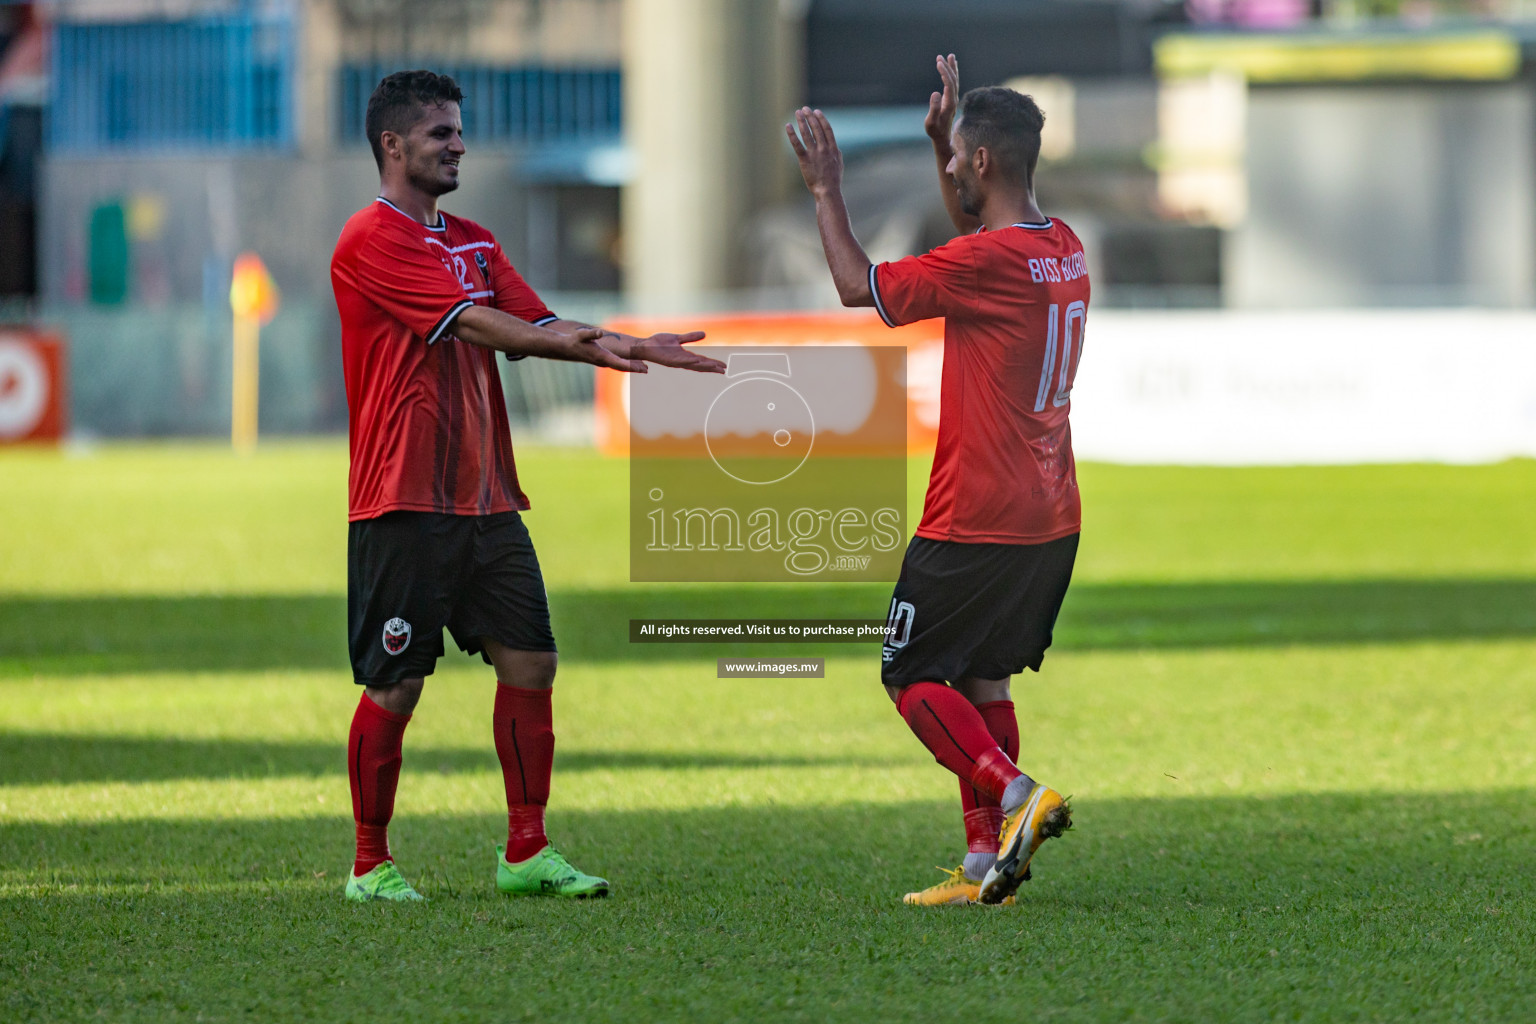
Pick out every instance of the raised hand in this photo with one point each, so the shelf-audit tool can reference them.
(821, 162)
(939, 124)
(668, 350)
(941, 105)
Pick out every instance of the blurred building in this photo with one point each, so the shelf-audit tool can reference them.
(1242, 153)
(23, 89)
(229, 126)
(629, 154)
(183, 132)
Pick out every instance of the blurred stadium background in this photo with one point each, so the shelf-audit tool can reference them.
(1293, 702)
(1221, 158)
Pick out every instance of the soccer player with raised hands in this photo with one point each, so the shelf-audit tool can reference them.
(984, 577)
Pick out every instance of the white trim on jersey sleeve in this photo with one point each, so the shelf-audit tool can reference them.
(448, 318)
(874, 290)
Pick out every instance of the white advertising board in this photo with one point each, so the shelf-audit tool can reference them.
(1267, 388)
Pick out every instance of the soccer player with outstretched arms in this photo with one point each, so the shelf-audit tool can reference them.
(435, 539)
(984, 577)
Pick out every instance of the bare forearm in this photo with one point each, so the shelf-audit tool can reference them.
(845, 256)
(491, 328)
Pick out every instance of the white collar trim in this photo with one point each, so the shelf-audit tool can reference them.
(441, 225)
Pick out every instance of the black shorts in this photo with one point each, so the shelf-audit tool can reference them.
(982, 611)
(409, 574)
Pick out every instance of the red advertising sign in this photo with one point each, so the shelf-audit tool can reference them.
(32, 386)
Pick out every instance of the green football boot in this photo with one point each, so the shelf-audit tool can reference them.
(382, 883)
(546, 873)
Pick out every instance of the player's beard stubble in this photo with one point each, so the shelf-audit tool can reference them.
(970, 202)
(428, 173)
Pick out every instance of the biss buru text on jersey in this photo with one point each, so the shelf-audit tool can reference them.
(1068, 268)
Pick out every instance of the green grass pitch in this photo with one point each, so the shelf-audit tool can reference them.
(1296, 709)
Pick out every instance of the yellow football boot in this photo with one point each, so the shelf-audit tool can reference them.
(955, 889)
(1045, 815)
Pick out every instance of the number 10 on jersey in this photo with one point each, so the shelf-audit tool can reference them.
(1062, 369)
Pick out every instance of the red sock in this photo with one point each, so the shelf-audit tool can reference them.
(525, 742)
(983, 815)
(956, 735)
(373, 764)
(1002, 724)
(982, 825)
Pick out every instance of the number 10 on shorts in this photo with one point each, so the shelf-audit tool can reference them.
(898, 626)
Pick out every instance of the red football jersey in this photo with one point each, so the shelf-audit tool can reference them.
(426, 414)
(1013, 303)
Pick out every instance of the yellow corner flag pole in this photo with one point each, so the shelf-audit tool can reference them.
(247, 384)
(253, 298)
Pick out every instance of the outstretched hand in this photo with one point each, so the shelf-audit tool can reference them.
(821, 162)
(941, 105)
(668, 350)
(585, 348)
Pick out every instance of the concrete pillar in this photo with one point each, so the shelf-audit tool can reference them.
(706, 84)
(320, 41)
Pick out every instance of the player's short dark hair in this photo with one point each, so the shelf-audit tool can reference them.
(398, 101)
(1007, 123)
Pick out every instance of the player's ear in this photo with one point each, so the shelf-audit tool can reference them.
(981, 161)
(391, 143)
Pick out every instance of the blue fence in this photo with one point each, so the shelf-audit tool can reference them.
(209, 83)
(502, 104)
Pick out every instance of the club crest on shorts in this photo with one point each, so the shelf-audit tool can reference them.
(397, 635)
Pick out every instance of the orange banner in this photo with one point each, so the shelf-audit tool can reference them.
(33, 374)
(923, 341)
